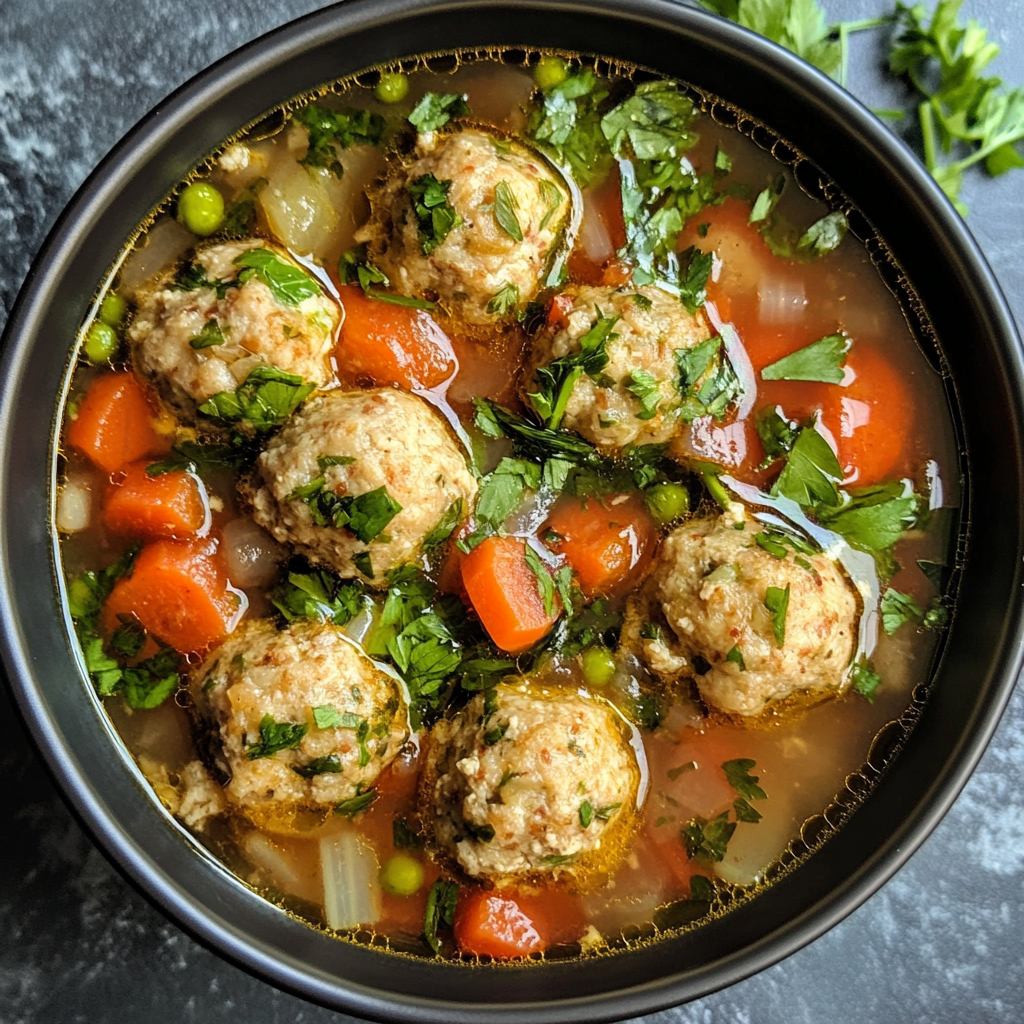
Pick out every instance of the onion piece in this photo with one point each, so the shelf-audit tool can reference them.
(276, 867)
(252, 555)
(594, 238)
(162, 245)
(74, 506)
(351, 890)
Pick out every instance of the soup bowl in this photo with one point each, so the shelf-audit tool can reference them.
(920, 764)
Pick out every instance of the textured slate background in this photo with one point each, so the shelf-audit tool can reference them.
(943, 942)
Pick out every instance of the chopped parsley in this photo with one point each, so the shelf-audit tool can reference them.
(442, 900)
(435, 110)
(707, 839)
(737, 772)
(707, 381)
(199, 457)
(820, 361)
(240, 216)
(588, 813)
(898, 608)
(320, 596)
(776, 600)
(505, 208)
(777, 433)
(329, 765)
(864, 679)
(275, 737)
(290, 285)
(445, 526)
(333, 130)
(504, 299)
(264, 401)
(435, 215)
(501, 493)
(644, 385)
(403, 836)
(812, 472)
(209, 336)
(366, 515)
(356, 804)
(735, 657)
(552, 195)
(556, 381)
(327, 716)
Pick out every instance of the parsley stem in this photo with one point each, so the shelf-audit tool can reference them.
(715, 488)
(928, 134)
(845, 30)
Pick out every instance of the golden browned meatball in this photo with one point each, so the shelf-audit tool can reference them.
(488, 256)
(541, 780)
(609, 407)
(721, 594)
(301, 716)
(387, 450)
(195, 338)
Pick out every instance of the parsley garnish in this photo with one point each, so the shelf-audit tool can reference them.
(334, 130)
(506, 206)
(874, 518)
(530, 441)
(403, 836)
(776, 600)
(329, 765)
(898, 608)
(707, 381)
(568, 121)
(435, 110)
(445, 526)
(644, 385)
(737, 772)
(552, 195)
(864, 679)
(441, 903)
(588, 813)
(276, 736)
(209, 336)
(811, 473)
(707, 840)
(501, 493)
(264, 401)
(557, 380)
(504, 299)
(735, 656)
(744, 812)
(777, 434)
(545, 581)
(326, 716)
(820, 361)
(366, 515)
(289, 285)
(436, 216)
(240, 216)
(320, 596)
(198, 457)
(356, 804)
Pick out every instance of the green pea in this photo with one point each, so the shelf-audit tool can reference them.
(402, 875)
(667, 502)
(113, 309)
(392, 88)
(201, 208)
(549, 72)
(598, 666)
(101, 343)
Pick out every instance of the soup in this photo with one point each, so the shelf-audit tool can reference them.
(503, 504)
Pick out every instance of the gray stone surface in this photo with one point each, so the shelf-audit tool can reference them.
(942, 943)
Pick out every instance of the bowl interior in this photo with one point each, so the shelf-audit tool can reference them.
(979, 352)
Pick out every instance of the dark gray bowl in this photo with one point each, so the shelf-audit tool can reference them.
(971, 685)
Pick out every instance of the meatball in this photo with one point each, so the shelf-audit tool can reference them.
(711, 586)
(510, 206)
(649, 327)
(300, 717)
(195, 336)
(386, 445)
(529, 780)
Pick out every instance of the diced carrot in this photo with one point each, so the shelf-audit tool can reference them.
(505, 593)
(169, 505)
(493, 924)
(179, 592)
(114, 425)
(392, 344)
(609, 543)
(558, 310)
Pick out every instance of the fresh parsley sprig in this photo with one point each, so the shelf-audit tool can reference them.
(333, 130)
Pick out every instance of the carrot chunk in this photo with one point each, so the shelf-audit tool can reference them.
(392, 344)
(505, 593)
(114, 425)
(169, 505)
(491, 924)
(179, 592)
(608, 543)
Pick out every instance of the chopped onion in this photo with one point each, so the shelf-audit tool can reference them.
(74, 506)
(164, 243)
(277, 868)
(351, 889)
(252, 555)
(780, 300)
(594, 237)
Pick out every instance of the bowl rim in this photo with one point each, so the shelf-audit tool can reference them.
(256, 59)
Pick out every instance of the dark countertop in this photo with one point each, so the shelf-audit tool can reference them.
(942, 942)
